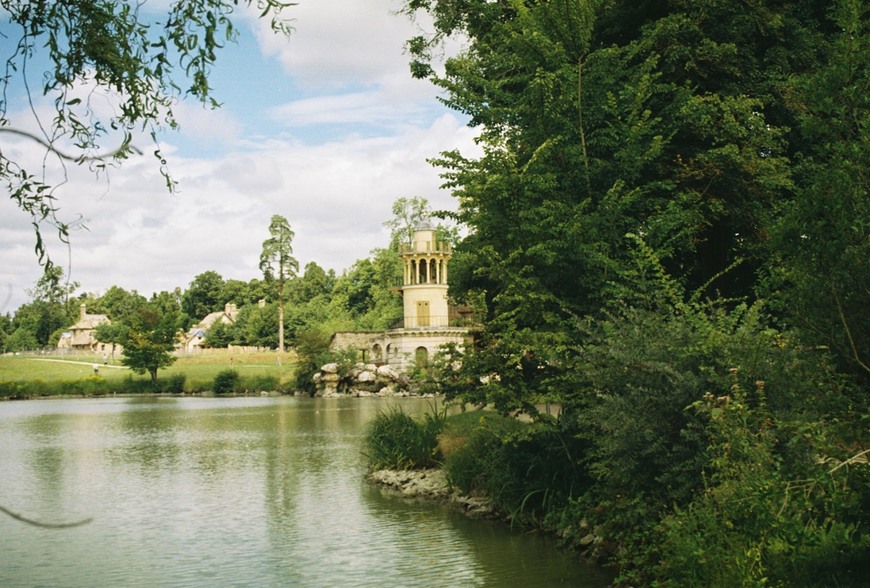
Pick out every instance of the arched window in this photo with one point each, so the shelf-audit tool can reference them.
(421, 357)
(376, 353)
(424, 272)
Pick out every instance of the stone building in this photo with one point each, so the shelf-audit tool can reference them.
(194, 338)
(428, 320)
(81, 336)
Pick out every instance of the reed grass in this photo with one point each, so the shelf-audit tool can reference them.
(398, 441)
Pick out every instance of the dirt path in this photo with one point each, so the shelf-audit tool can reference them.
(86, 363)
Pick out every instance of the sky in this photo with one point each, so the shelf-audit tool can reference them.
(326, 128)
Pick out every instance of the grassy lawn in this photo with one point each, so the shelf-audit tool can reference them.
(199, 370)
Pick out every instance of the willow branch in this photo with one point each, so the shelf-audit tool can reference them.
(63, 155)
(24, 519)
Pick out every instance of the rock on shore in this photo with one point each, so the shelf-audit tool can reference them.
(431, 484)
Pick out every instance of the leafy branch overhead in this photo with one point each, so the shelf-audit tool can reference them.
(85, 54)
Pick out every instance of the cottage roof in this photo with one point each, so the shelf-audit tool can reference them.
(89, 322)
(227, 315)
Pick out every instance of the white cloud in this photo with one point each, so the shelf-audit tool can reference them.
(337, 43)
(335, 192)
(336, 197)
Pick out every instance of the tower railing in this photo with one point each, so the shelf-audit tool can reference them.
(433, 322)
(427, 247)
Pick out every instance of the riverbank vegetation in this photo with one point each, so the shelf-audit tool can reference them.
(44, 375)
(668, 238)
(667, 235)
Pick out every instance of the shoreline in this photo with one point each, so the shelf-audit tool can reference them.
(431, 485)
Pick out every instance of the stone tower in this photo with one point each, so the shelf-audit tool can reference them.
(426, 321)
(424, 286)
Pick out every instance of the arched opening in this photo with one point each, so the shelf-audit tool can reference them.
(421, 357)
(424, 272)
(433, 271)
(377, 355)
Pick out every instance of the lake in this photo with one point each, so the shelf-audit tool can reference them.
(253, 491)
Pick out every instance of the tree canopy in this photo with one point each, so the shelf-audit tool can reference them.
(668, 237)
(696, 126)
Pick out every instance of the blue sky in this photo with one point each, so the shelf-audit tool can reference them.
(326, 128)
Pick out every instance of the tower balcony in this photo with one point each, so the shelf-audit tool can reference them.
(425, 247)
(433, 322)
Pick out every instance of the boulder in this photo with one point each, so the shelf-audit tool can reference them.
(366, 376)
(388, 373)
(330, 368)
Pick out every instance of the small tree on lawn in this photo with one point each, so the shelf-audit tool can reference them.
(149, 342)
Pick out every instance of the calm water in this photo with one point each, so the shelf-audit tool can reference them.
(234, 492)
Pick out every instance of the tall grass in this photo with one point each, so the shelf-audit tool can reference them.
(396, 440)
(528, 470)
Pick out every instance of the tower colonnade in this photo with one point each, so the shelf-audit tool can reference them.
(426, 268)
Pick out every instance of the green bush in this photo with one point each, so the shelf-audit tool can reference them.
(396, 440)
(133, 385)
(526, 469)
(226, 382)
(262, 383)
(312, 348)
(175, 383)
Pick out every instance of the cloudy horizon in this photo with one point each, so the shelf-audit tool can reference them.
(326, 128)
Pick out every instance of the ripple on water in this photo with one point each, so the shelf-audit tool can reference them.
(235, 493)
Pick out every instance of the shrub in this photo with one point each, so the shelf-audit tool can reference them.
(752, 527)
(226, 382)
(132, 385)
(396, 440)
(526, 470)
(175, 383)
(262, 383)
(311, 350)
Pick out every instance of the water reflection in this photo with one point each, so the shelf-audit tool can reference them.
(244, 492)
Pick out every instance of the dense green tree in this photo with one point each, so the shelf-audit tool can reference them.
(314, 282)
(203, 296)
(219, 335)
(241, 293)
(258, 326)
(365, 293)
(119, 304)
(386, 306)
(312, 346)
(5, 330)
(278, 264)
(356, 285)
(21, 339)
(113, 333)
(149, 340)
(599, 119)
(820, 267)
(48, 313)
(143, 59)
(649, 169)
